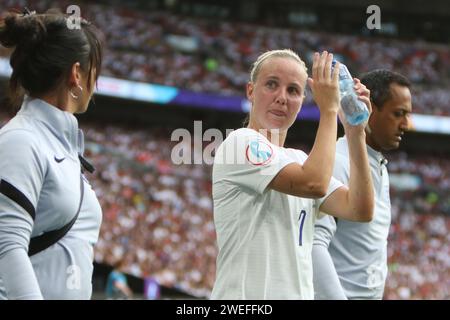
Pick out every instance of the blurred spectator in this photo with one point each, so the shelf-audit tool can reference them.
(117, 284)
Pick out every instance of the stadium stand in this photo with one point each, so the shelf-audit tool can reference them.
(161, 214)
(206, 55)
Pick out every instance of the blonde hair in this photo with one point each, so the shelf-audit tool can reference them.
(283, 53)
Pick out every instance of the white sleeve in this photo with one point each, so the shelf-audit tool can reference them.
(21, 180)
(325, 278)
(18, 276)
(333, 186)
(249, 160)
(340, 177)
(324, 230)
(325, 225)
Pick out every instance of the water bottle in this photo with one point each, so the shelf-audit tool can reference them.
(355, 111)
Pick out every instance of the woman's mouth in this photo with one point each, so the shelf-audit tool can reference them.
(278, 113)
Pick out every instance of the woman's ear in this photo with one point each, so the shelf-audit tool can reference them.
(75, 75)
(249, 90)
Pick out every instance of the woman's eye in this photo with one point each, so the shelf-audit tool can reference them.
(293, 90)
(271, 84)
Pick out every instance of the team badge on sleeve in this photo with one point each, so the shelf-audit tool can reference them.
(258, 152)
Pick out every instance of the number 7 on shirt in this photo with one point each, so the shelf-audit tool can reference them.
(301, 218)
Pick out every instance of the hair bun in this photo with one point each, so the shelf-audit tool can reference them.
(22, 30)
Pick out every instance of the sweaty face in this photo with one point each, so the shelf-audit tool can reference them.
(277, 93)
(389, 122)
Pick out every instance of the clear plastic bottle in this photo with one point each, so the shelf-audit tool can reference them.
(355, 111)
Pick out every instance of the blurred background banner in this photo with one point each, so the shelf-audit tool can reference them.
(160, 94)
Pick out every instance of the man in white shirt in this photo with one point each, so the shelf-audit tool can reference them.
(350, 258)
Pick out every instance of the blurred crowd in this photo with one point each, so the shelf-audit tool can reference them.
(159, 216)
(419, 239)
(215, 56)
(156, 215)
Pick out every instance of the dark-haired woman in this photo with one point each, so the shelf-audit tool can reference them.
(49, 215)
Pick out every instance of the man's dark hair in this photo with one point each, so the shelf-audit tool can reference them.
(379, 82)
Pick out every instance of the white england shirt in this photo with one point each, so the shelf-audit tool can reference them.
(264, 236)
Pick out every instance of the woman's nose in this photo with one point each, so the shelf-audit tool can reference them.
(281, 97)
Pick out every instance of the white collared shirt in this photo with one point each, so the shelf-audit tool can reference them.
(359, 250)
(39, 150)
(264, 236)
